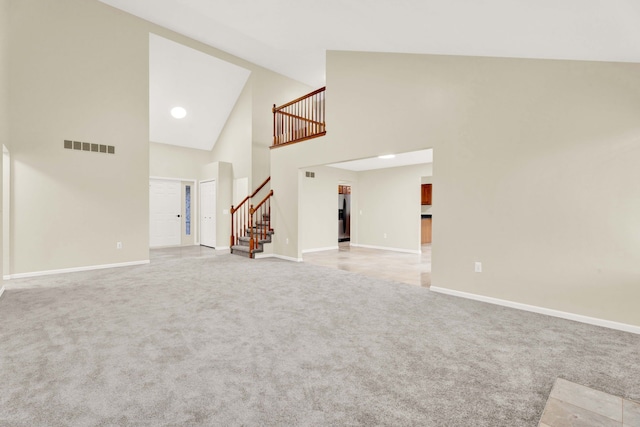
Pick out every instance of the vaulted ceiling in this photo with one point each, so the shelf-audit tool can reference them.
(206, 87)
(291, 36)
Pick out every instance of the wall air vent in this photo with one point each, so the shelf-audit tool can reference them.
(310, 174)
(86, 146)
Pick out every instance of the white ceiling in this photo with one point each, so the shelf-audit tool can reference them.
(291, 36)
(205, 86)
(401, 159)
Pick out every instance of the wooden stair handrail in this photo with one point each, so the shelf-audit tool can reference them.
(246, 199)
(242, 224)
(258, 227)
(234, 210)
(253, 210)
(260, 187)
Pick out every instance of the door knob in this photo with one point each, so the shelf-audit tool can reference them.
(178, 215)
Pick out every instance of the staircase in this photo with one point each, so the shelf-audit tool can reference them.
(262, 234)
(251, 226)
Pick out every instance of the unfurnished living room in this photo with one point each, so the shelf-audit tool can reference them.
(417, 213)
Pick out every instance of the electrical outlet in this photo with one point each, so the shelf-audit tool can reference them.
(385, 235)
(118, 245)
(478, 267)
(287, 240)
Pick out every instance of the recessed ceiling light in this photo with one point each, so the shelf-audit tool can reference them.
(178, 112)
(387, 156)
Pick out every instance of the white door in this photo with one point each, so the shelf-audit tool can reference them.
(164, 213)
(208, 213)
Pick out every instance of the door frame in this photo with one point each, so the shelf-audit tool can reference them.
(215, 209)
(195, 200)
(353, 241)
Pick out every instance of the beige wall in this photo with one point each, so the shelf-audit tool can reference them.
(535, 173)
(261, 164)
(319, 206)
(285, 179)
(4, 120)
(171, 161)
(4, 64)
(389, 207)
(79, 71)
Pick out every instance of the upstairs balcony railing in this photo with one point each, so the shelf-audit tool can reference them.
(299, 119)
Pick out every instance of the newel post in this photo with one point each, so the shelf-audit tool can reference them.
(232, 240)
(251, 211)
(274, 124)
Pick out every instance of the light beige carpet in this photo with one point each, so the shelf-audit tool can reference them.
(231, 341)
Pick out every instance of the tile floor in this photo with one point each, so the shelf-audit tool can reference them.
(165, 254)
(572, 404)
(414, 269)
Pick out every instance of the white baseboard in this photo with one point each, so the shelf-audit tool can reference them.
(77, 269)
(328, 248)
(541, 310)
(1, 291)
(384, 248)
(286, 258)
(223, 248)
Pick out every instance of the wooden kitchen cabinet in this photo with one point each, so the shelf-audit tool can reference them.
(426, 194)
(426, 231)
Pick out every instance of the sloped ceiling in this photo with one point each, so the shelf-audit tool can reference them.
(400, 159)
(205, 86)
(291, 36)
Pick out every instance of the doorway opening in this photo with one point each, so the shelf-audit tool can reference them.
(344, 213)
(386, 216)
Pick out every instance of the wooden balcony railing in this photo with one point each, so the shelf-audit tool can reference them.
(300, 119)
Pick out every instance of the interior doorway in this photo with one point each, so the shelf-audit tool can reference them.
(344, 213)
